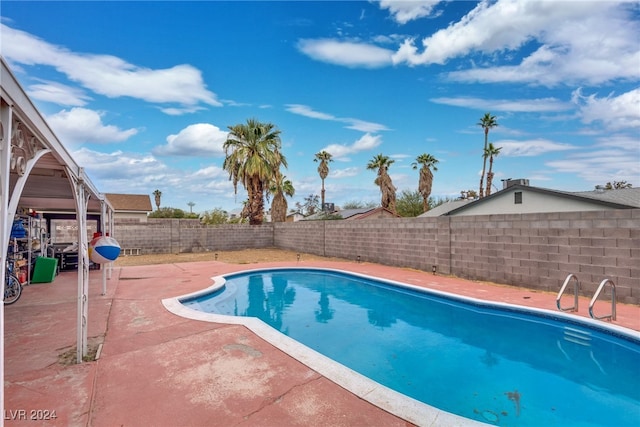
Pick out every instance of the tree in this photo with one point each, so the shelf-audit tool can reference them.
(491, 151)
(323, 170)
(355, 204)
(157, 194)
(167, 213)
(487, 122)
(469, 194)
(410, 203)
(214, 217)
(617, 185)
(383, 180)
(310, 205)
(427, 162)
(253, 158)
(280, 188)
(191, 205)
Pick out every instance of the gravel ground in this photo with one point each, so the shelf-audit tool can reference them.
(245, 256)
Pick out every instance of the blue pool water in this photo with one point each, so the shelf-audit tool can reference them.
(498, 365)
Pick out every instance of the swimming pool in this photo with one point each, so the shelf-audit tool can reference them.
(491, 363)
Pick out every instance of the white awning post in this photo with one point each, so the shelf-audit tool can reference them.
(5, 220)
(111, 230)
(103, 222)
(82, 199)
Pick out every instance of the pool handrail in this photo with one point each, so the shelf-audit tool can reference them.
(576, 288)
(611, 316)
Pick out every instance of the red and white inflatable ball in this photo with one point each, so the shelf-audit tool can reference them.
(103, 250)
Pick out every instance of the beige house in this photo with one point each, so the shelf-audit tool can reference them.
(130, 206)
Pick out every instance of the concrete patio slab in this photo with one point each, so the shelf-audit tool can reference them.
(159, 369)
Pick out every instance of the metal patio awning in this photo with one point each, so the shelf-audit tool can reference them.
(37, 172)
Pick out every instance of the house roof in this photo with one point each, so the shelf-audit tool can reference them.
(445, 208)
(371, 212)
(350, 214)
(624, 198)
(130, 202)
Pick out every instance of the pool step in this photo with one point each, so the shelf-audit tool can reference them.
(577, 336)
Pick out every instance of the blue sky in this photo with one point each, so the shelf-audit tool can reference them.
(142, 93)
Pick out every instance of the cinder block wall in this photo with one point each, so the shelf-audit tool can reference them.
(408, 242)
(161, 236)
(540, 250)
(533, 250)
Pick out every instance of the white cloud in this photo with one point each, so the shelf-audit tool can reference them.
(58, 93)
(344, 173)
(81, 125)
(355, 124)
(307, 111)
(109, 75)
(201, 139)
(363, 126)
(120, 166)
(625, 142)
(346, 53)
(211, 172)
(600, 166)
(614, 112)
(408, 10)
(509, 105)
(172, 111)
(534, 147)
(606, 48)
(365, 143)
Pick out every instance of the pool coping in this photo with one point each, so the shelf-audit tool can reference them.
(367, 389)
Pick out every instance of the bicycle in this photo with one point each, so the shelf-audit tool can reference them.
(12, 286)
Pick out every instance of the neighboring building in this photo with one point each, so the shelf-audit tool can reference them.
(130, 206)
(518, 197)
(294, 217)
(355, 214)
(445, 208)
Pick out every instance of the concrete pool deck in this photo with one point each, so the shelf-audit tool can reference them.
(159, 369)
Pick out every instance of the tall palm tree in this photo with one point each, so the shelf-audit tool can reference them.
(383, 180)
(253, 158)
(191, 205)
(492, 152)
(487, 122)
(323, 169)
(157, 194)
(280, 188)
(427, 162)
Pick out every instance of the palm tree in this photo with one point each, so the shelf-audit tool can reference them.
(280, 188)
(427, 162)
(323, 169)
(491, 151)
(383, 180)
(191, 205)
(253, 158)
(486, 122)
(157, 194)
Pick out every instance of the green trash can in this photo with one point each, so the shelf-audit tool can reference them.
(45, 270)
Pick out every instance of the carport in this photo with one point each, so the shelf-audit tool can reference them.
(38, 173)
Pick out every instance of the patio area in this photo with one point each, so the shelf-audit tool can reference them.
(158, 369)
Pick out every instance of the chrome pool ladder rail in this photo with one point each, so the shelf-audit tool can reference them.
(576, 288)
(611, 316)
